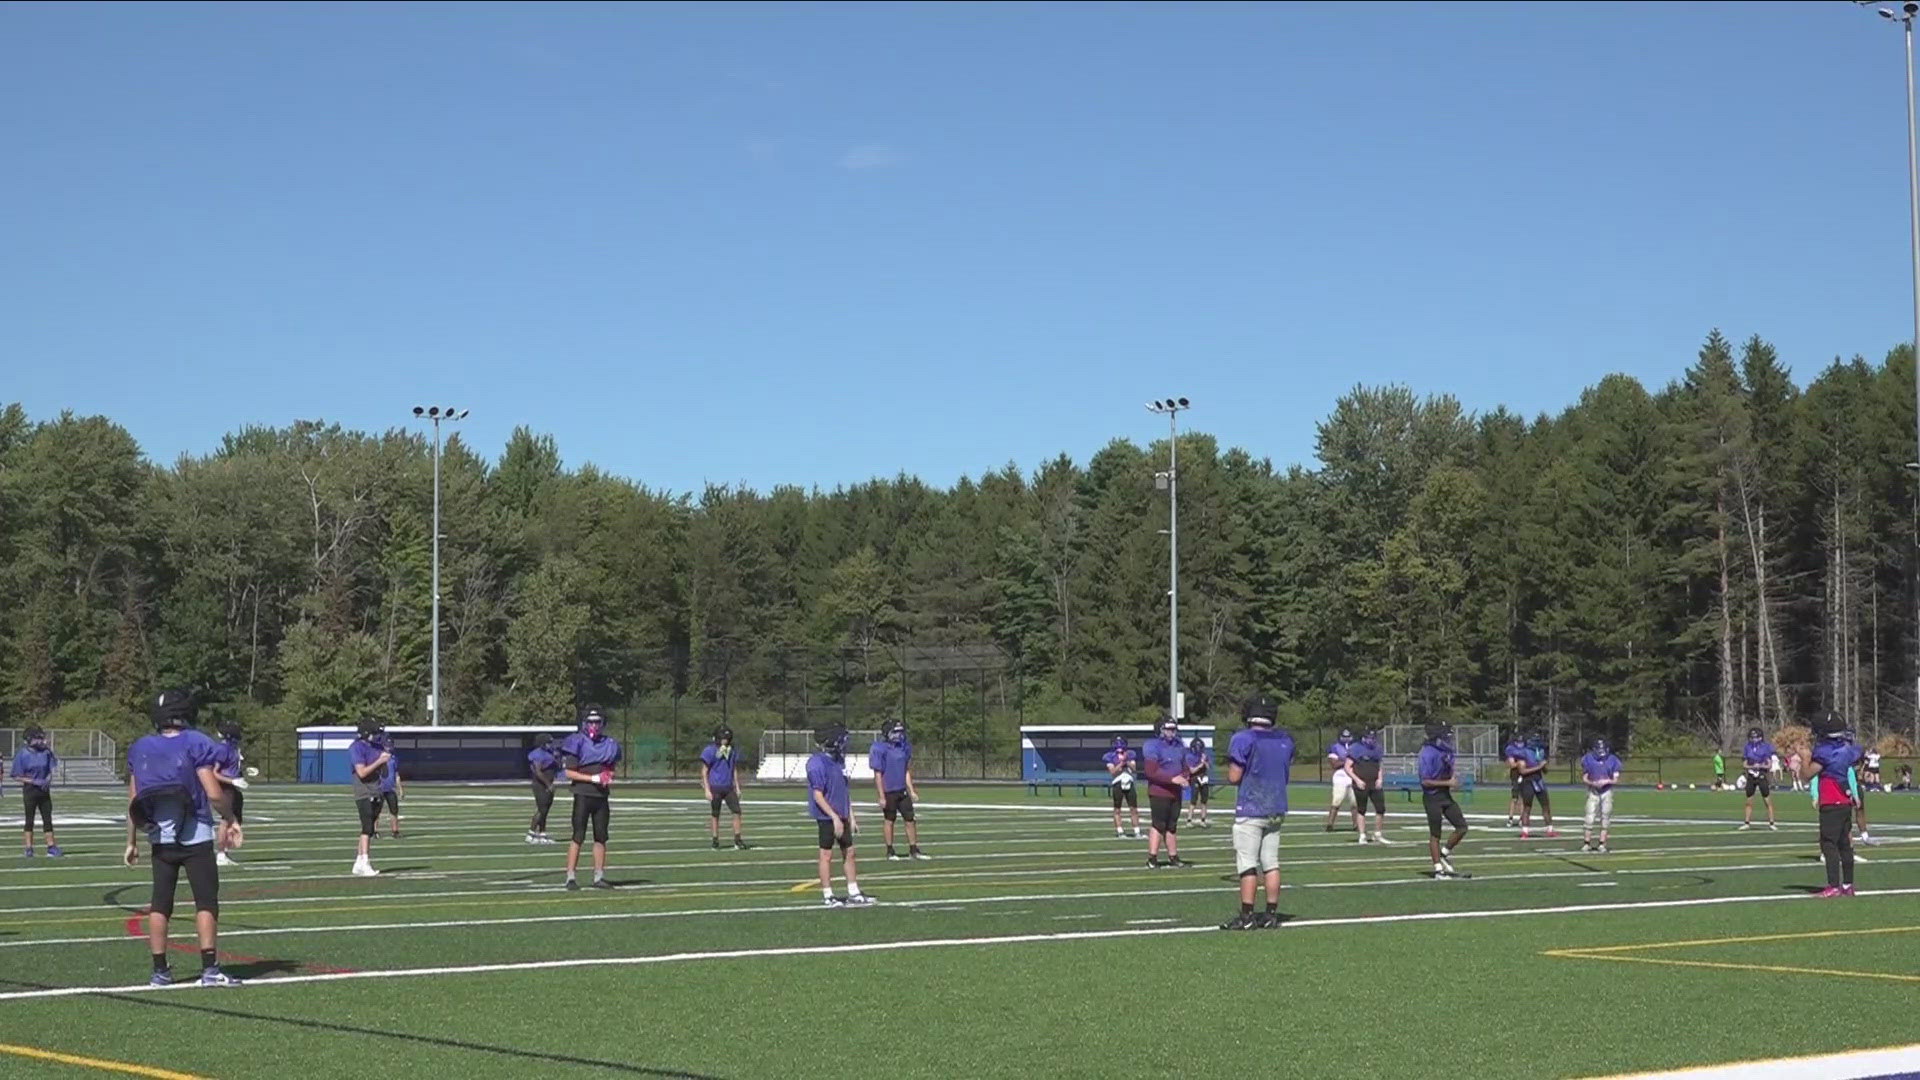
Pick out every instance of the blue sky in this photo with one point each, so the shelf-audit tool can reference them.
(814, 244)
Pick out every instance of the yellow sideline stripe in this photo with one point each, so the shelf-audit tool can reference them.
(96, 1063)
(1618, 953)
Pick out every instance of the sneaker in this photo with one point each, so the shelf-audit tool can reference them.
(1138, 835)
(533, 837)
(892, 855)
(573, 885)
(1553, 834)
(1361, 839)
(916, 853)
(1585, 846)
(1744, 826)
(213, 976)
(1245, 920)
(221, 859)
(602, 883)
(835, 902)
(1830, 891)
(28, 854)
(1154, 864)
(1179, 863)
(53, 850)
(716, 843)
(1381, 838)
(361, 869)
(860, 899)
(1846, 890)
(163, 977)
(739, 844)
(1602, 849)
(1771, 827)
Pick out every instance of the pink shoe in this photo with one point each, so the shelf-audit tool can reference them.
(1524, 836)
(1553, 834)
(1830, 891)
(1846, 890)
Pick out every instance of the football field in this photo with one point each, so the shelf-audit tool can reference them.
(1034, 942)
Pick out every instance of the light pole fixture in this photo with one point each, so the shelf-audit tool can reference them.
(1171, 408)
(436, 414)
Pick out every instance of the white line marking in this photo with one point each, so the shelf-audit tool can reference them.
(924, 943)
(1598, 884)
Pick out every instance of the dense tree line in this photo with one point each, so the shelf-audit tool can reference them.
(1668, 567)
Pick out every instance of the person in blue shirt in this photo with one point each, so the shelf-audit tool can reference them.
(1121, 765)
(1831, 770)
(1260, 761)
(1601, 770)
(588, 756)
(1164, 760)
(543, 765)
(391, 791)
(1437, 781)
(1515, 749)
(1363, 768)
(33, 766)
(720, 783)
(228, 762)
(173, 794)
(1756, 776)
(891, 759)
(1200, 792)
(369, 761)
(830, 804)
(1532, 763)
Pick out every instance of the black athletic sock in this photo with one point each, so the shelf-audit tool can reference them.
(159, 961)
(1273, 908)
(1246, 909)
(208, 959)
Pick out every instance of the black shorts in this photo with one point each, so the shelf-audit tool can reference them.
(1439, 803)
(41, 799)
(728, 796)
(828, 841)
(1759, 784)
(1514, 776)
(1202, 792)
(203, 876)
(392, 801)
(542, 806)
(1372, 794)
(897, 804)
(369, 807)
(238, 800)
(1165, 812)
(1126, 795)
(594, 810)
(1534, 788)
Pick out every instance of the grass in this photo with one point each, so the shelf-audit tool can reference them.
(1509, 990)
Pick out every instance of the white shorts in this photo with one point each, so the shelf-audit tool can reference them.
(1342, 787)
(1599, 805)
(1256, 843)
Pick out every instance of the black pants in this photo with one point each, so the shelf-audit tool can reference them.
(390, 800)
(1836, 844)
(592, 809)
(728, 797)
(203, 876)
(1439, 804)
(39, 798)
(369, 808)
(237, 799)
(1373, 794)
(542, 803)
(1164, 811)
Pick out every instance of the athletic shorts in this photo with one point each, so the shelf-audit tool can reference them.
(1599, 805)
(591, 810)
(392, 800)
(729, 797)
(1202, 792)
(1759, 784)
(38, 799)
(1534, 788)
(1127, 795)
(1256, 844)
(898, 804)
(1373, 794)
(203, 876)
(828, 841)
(369, 808)
(1342, 787)
(1440, 805)
(1514, 776)
(1164, 810)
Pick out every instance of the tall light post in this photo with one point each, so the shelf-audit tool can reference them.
(1171, 409)
(1905, 17)
(436, 414)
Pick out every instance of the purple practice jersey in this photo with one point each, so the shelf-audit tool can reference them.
(890, 763)
(1265, 757)
(1600, 771)
(1436, 763)
(34, 766)
(1759, 755)
(165, 771)
(828, 776)
(226, 759)
(720, 762)
(584, 755)
(543, 763)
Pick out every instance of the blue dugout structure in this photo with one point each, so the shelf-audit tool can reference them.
(427, 753)
(1051, 753)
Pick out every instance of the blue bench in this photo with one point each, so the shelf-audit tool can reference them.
(1082, 781)
(1410, 784)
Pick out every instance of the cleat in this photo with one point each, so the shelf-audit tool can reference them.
(1602, 849)
(916, 853)
(1361, 839)
(716, 843)
(53, 850)
(213, 976)
(1137, 835)
(1846, 890)
(361, 869)
(533, 837)
(1553, 834)
(892, 855)
(1771, 827)
(740, 845)
(601, 883)
(545, 839)
(1179, 863)
(860, 899)
(163, 977)
(1153, 864)
(221, 859)
(28, 854)
(573, 885)
(835, 902)
(1744, 826)
(1585, 846)
(1830, 891)
(1246, 920)
(1381, 838)
(1525, 834)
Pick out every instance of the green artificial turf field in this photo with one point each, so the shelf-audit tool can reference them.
(1034, 942)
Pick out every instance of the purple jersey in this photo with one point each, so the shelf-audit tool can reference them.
(890, 763)
(1759, 755)
(1164, 759)
(720, 762)
(34, 766)
(581, 754)
(543, 763)
(1436, 762)
(1600, 771)
(1265, 757)
(226, 758)
(1200, 764)
(165, 772)
(825, 774)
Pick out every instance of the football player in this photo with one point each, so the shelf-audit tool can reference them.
(891, 759)
(720, 781)
(1515, 749)
(1259, 761)
(588, 757)
(369, 763)
(1165, 760)
(1200, 771)
(1836, 792)
(1437, 781)
(391, 790)
(1120, 765)
(1363, 766)
(1753, 777)
(33, 766)
(1342, 781)
(543, 765)
(228, 762)
(830, 805)
(1601, 769)
(1532, 763)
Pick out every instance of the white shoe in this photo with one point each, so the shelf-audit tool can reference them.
(364, 869)
(1137, 836)
(1381, 838)
(1744, 826)
(1771, 827)
(222, 860)
(533, 838)
(1361, 839)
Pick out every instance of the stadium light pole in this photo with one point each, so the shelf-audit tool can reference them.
(1905, 17)
(1171, 409)
(436, 414)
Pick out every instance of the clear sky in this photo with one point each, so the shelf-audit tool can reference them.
(813, 244)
